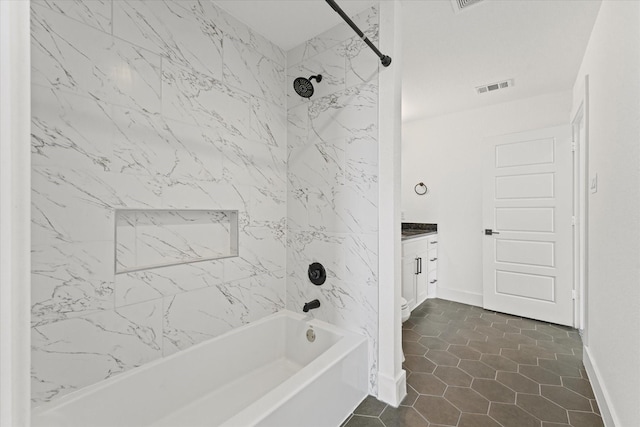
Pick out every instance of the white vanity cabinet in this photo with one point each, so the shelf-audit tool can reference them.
(419, 269)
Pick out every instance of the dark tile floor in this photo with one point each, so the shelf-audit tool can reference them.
(469, 367)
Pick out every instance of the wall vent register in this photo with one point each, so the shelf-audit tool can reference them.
(460, 5)
(492, 87)
(152, 238)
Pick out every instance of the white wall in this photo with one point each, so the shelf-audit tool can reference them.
(148, 105)
(446, 154)
(612, 62)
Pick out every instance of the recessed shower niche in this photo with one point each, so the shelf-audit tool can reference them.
(151, 238)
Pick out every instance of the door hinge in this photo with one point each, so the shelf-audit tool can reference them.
(573, 147)
(573, 295)
(573, 221)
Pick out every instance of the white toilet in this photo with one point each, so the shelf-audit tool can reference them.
(406, 313)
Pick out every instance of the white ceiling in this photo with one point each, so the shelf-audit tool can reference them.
(538, 43)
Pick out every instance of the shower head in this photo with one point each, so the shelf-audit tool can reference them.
(303, 87)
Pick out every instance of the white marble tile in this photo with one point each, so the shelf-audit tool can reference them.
(268, 123)
(361, 260)
(74, 353)
(77, 206)
(183, 31)
(186, 194)
(248, 69)
(70, 279)
(261, 250)
(96, 13)
(330, 64)
(148, 145)
(298, 208)
(343, 209)
(316, 165)
(267, 206)
(260, 295)
(240, 32)
(70, 131)
(200, 100)
(362, 65)
(351, 115)
(74, 57)
(298, 126)
(253, 163)
(132, 288)
(196, 316)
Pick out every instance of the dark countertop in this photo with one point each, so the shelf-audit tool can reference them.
(411, 230)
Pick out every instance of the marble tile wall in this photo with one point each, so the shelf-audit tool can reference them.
(148, 105)
(332, 178)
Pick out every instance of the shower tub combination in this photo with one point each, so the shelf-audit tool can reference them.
(283, 370)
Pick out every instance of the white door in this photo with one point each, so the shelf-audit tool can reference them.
(527, 249)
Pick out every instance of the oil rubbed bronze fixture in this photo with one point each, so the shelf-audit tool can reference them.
(384, 59)
(420, 189)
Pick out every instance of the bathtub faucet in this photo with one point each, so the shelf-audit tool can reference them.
(311, 305)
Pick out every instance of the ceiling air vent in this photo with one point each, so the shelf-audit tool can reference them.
(492, 87)
(460, 5)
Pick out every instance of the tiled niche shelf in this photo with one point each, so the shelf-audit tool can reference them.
(152, 238)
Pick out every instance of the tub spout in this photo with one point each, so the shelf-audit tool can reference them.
(311, 305)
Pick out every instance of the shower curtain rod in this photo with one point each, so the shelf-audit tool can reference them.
(384, 59)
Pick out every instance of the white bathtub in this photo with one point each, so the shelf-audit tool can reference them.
(263, 374)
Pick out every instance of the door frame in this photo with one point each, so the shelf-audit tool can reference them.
(580, 130)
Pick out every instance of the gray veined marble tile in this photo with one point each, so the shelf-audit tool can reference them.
(149, 145)
(74, 353)
(248, 69)
(351, 114)
(267, 206)
(262, 295)
(361, 260)
(268, 122)
(96, 13)
(297, 126)
(261, 250)
(70, 279)
(298, 208)
(253, 163)
(132, 288)
(77, 205)
(183, 31)
(317, 165)
(198, 99)
(362, 65)
(343, 209)
(73, 57)
(70, 131)
(240, 32)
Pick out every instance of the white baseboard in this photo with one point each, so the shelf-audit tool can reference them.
(463, 297)
(392, 390)
(602, 396)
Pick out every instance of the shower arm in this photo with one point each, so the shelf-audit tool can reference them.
(384, 59)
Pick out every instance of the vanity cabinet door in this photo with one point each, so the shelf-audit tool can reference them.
(409, 269)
